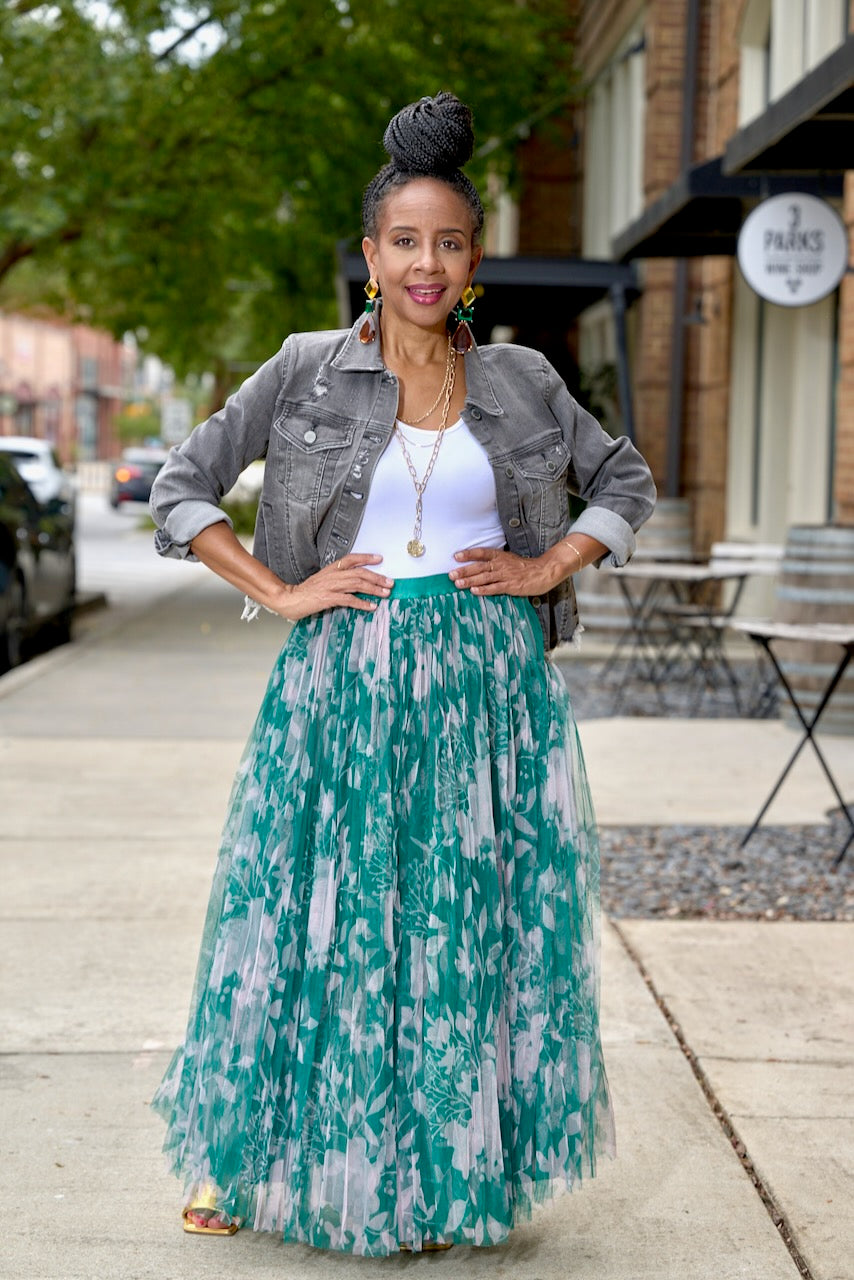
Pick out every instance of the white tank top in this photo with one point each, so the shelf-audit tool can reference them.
(460, 504)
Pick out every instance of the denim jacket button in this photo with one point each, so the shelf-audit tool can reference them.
(536, 601)
(514, 522)
(476, 414)
(551, 466)
(309, 436)
(508, 471)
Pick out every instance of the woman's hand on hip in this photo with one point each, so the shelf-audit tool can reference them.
(487, 571)
(336, 585)
(490, 572)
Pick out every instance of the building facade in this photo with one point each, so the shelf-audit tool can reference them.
(63, 383)
(743, 407)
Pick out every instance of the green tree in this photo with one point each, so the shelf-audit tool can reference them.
(198, 197)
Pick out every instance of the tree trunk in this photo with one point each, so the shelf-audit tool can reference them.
(223, 382)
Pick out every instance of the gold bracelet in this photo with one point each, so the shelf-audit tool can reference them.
(577, 552)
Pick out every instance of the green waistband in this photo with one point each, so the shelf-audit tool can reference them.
(435, 584)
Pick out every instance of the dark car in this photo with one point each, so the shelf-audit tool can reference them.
(132, 477)
(37, 564)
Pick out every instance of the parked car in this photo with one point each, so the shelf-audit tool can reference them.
(37, 564)
(38, 463)
(133, 475)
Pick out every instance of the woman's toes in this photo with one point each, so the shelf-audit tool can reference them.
(206, 1218)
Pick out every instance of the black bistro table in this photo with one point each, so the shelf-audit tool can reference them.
(763, 633)
(647, 641)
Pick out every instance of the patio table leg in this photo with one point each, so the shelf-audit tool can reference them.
(809, 727)
(636, 639)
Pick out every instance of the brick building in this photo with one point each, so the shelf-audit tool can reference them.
(694, 110)
(63, 383)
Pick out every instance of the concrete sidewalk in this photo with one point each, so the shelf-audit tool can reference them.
(118, 754)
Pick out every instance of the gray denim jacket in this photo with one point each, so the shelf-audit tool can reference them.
(322, 411)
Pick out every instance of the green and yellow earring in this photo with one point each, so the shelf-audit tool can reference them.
(463, 339)
(368, 331)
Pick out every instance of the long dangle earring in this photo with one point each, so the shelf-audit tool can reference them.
(463, 339)
(368, 331)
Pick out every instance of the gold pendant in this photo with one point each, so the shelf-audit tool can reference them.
(415, 547)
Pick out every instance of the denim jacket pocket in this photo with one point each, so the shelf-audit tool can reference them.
(541, 481)
(307, 445)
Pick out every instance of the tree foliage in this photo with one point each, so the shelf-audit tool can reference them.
(196, 193)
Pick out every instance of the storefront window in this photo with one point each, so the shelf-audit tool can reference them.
(614, 133)
(781, 415)
(781, 40)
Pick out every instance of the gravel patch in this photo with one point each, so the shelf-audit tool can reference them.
(681, 872)
(696, 872)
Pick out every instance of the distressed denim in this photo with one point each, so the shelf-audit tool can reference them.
(322, 411)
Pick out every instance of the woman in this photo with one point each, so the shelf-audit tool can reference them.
(393, 1041)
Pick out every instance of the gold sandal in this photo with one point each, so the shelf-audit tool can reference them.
(206, 1202)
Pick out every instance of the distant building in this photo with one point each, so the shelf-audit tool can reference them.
(64, 383)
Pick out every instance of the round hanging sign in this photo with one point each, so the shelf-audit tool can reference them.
(793, 249)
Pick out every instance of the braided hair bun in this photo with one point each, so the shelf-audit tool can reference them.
(432, 136)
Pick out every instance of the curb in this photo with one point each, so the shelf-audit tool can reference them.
(88, 601)
(85, 602)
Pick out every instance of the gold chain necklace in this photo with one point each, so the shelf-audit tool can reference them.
(413, 422)
(415, 547)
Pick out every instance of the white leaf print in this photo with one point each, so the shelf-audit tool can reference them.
(367, 1110)
(456, 1214)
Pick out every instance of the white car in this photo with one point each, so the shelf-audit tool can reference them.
(37, 462)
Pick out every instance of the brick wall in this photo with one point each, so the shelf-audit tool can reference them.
(665, 42)
(550, 201)
(705, 419)
(665, 50)
(601, 25)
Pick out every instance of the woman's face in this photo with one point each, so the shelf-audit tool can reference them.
(423, 256)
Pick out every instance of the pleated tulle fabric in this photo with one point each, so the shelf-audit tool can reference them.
(394, 1030)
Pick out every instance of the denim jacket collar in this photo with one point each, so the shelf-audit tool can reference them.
(363, 357)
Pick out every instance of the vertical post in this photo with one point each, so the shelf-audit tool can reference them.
(624, 386)
(680, 291)
(677, 369)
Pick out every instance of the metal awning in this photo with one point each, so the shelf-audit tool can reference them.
(809, 130)
(557, 289)
(701, 213)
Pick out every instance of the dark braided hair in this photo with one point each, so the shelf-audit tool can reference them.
(430, 138)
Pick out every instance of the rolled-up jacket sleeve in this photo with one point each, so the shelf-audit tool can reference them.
(186, 495)
(610, 475)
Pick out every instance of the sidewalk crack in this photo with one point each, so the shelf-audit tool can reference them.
(773, 1209)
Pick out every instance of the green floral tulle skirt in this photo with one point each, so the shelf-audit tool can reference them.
(394, 1032)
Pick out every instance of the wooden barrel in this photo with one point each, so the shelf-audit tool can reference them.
(817, 585)
(667, 535)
